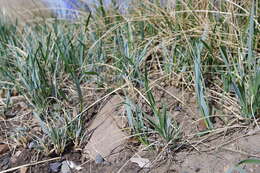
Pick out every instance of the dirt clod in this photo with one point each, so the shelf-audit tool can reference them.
(107, 136)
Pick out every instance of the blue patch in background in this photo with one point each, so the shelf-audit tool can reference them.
(66, 9)
(70, 9)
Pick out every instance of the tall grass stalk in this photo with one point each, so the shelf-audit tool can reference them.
(200, 89)
(244, 73)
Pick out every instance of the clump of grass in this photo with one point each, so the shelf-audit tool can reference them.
(243, 74)
(163, 124)
(158, 122)
(37, 64)
(60, 131)
(145, 125)
(137, 121)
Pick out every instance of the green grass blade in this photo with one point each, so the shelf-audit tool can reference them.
(199, 85)
(251, 161)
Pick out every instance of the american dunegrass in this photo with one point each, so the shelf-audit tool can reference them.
(210, 50)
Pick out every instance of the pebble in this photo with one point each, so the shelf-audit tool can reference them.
(99, 159)
(65, 167)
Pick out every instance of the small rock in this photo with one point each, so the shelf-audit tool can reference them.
(99, 159)
(65, 167)
(55, 167)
